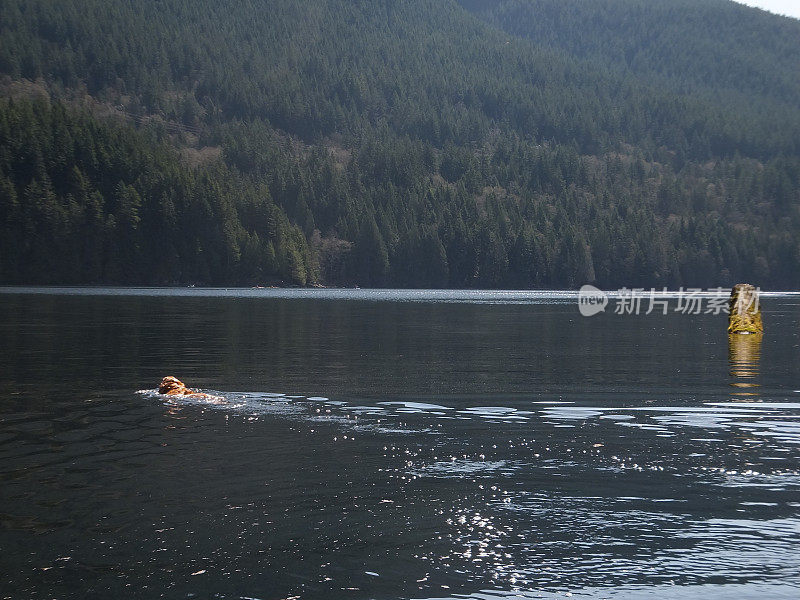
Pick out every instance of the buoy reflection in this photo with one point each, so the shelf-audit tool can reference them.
(744, 354)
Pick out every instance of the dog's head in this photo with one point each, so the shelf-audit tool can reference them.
(171, 385)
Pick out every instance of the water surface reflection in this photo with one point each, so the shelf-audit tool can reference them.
(383, 449)
(744, 353)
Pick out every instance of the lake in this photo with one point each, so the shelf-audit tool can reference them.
(394, 444)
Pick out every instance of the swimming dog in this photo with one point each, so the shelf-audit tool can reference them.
(172, 386)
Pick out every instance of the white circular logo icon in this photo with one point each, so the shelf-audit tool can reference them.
(591, 300)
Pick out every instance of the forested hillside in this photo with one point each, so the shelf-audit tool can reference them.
(84, 201)
(423, 143)
(716, 46)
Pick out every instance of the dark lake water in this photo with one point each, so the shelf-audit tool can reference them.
(394, 445)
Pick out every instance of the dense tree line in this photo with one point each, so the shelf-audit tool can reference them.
(514, 214)
(85, 201)
(423, 143)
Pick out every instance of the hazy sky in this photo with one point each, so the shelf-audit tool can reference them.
(782, 7)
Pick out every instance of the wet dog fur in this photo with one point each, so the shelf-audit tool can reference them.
(172, 386)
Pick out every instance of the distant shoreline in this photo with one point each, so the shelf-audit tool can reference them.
(335, 292)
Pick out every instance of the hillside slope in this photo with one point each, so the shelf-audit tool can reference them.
(443, 143)
(716, 46)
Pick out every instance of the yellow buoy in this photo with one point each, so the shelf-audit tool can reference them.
(744, 315)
